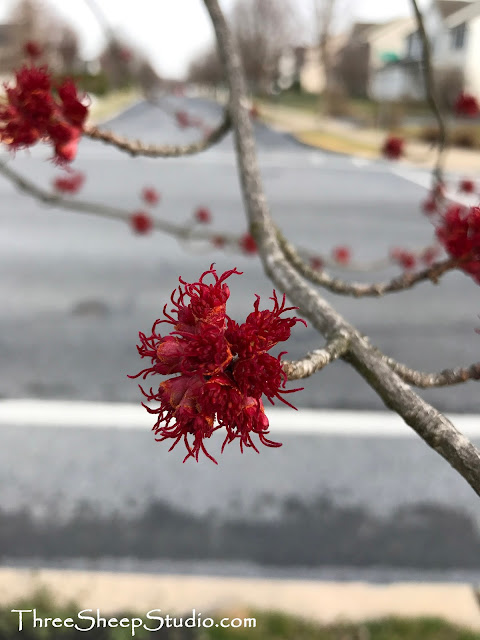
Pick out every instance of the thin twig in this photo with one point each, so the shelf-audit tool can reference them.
(182, 232)
(318, 359)
(424, 380)
(137, 148)
(359, 289)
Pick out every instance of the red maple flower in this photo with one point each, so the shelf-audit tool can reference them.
(36, 110)
(459, 233)
(316, 263)
(203, 215)
(248, 244)
(467, 186)
(429, 205)
(393, 147)
(429, 255)
(221, 369)
(406, 259)
(150, 196)
(32, 49)
(254, 112)
(342, 255)
(467, 105)
(70, 183)
(141, 222)
(218, 241)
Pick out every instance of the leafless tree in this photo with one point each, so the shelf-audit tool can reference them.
(206, 68)
(263, 29)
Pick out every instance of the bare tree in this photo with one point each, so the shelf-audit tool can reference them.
(263, 29)
(206, 68)
(285, 265)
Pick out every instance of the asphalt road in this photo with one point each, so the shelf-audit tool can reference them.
(76, 289)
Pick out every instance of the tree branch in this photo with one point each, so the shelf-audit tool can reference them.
(182, 232)
(318, 359)
(432, 97)
(360, 289)
(424, 380)
(434, 428)
(137, 148)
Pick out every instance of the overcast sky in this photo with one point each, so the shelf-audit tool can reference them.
(172, 31)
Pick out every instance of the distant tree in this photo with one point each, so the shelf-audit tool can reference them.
(37, 22)
(206, 68)
(263, 29)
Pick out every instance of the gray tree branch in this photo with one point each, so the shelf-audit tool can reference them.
(318, 359)
(137, 148)
(360, 289)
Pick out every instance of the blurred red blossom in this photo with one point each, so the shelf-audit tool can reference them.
(342, 255)
(467, 105)
(32, 49)
(218, 241)
(203, 215)
(222, 368)
(429, 255)
(316, 263)
(467, 186)
(248, 244)
(393, 147)
(150, 196)
(406, 259)
(141, 222)
(69, 183)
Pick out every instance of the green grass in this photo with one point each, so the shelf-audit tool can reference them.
(270, 626)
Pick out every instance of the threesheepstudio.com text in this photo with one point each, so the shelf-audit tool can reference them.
(153, 620)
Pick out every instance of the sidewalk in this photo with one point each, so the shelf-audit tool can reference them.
(339, 136)
(324, 602)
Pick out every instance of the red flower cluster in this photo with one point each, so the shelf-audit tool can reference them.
(459, 233)
(150, 196)
(467, 105)
(35, 111)
(70, 183)
(141, 222)
(393, 147)
(223, 368)
(342, 255)
(203, 215)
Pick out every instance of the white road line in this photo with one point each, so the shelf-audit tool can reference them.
(360, 162)
(76, 414)
(317, 159)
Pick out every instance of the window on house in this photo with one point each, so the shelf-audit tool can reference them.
(414, 46)
(458, 36)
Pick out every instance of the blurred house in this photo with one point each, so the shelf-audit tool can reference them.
(8, 49)
(303, 66)
(453, 28)
(367, 48)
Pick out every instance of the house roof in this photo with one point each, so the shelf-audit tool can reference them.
(468, 11)
(449, 7)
